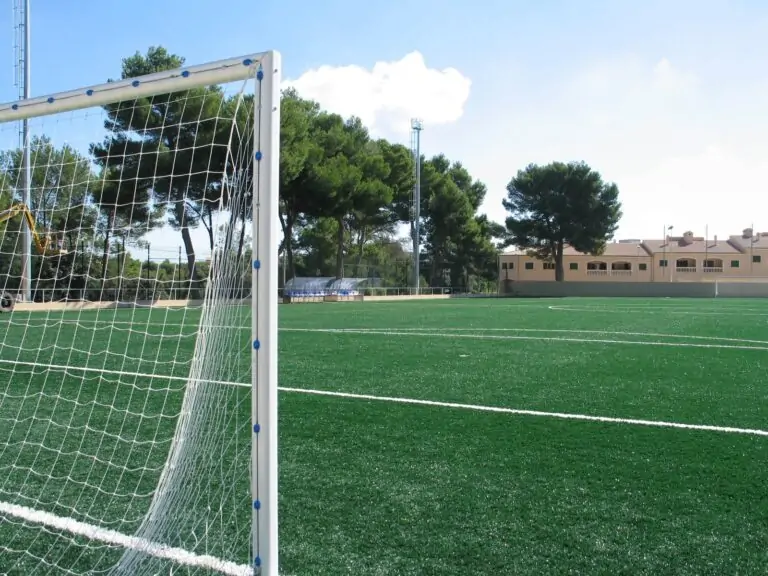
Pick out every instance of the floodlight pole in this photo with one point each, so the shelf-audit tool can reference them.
(25, 176)
(416, 127)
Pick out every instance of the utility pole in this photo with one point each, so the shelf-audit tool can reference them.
(22, 81)
(416, 127)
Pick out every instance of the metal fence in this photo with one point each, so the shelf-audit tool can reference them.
(719, 289)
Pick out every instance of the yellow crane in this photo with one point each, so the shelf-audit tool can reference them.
(44, 243)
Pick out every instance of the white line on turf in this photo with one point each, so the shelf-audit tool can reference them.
(137, 326)
(434, 403)
(521, 412)
(446, 332)
(570, 331)
(437, 334)
(72, 526)
(659, 310)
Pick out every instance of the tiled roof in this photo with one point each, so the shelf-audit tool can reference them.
(678, 245)
(611, 249)
(696, 245)
(758, 240)
(614, 249)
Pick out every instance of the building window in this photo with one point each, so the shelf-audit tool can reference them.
(643, 266)
(511, 265)
(503, 265)
(734, 263)
(662, 263)
(549, 265)
(757, 258)
(713, 265)
(529, 265)
(574, 266)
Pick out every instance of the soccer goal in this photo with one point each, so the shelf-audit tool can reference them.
(138, 398)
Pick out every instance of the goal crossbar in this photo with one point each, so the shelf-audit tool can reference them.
(218, 72)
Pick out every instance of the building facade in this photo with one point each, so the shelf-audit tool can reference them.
(685, 258)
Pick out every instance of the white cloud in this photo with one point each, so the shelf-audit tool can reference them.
(388, 95)
(625, 116)
(683, 149)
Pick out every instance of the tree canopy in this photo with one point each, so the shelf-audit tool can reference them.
(561, 205)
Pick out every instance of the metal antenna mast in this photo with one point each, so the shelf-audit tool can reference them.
(416, 127)
(21, 69)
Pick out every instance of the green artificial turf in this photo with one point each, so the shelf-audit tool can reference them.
(375, 487)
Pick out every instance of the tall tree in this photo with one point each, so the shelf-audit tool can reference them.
(350, 179)
(561, 204)
(61, 194)
(456, 240)
(449, 215)
(300, 151)
(172, 141)
(401, 179)
(317, 245)
(61, 186)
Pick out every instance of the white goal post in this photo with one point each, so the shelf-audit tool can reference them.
(121, 444)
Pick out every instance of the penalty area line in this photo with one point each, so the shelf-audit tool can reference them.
(539, 413)
(76, 527)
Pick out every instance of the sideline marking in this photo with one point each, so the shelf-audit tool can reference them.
(437, 334)
(571, 331)
(177, 555)
(196, 331)
(658, 310)
(522, 412)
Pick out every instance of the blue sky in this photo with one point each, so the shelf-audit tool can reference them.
(668, 99)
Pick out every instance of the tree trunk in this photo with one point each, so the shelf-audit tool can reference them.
(340, 249)
(286, 222)
(241, 242)
(559, 270)
(105, 255)
(209, 227)
(437, 271)
(194, 289)
(360, 248)
(123, 258)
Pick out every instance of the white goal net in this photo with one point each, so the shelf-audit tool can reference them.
(137, 384)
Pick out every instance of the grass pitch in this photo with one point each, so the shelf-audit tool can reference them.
(372, 483)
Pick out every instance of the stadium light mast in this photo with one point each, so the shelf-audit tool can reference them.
(22, 75)
(416, 127)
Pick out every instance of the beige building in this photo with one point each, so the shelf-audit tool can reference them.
(685, 258)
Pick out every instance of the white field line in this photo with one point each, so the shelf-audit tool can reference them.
(137, 326)
(521, 412)
(72, 526)
(659, 310)
(436, 334)
(433, 403)
(457, 333)
(564, 331)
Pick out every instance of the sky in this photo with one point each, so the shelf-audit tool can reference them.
(665, 98)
